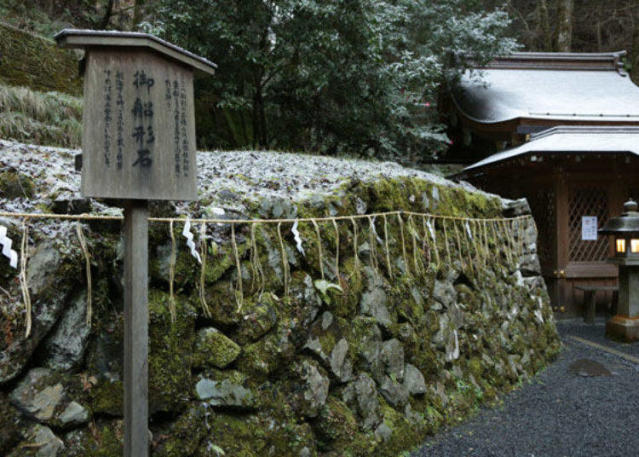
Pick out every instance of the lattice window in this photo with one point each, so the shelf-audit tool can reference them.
(542, 206)
(591, 201)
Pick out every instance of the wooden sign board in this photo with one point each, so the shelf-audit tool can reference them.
(138, 136)
(138, 144)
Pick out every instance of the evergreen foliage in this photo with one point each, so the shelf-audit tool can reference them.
(359, 77)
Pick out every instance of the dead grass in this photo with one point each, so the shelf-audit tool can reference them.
(45, 118)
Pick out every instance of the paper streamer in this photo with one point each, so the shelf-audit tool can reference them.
(372, 224)
(470, 235)
(298, 240)
(6, 243)
(186, 233)
(431, 229)
(537, 312)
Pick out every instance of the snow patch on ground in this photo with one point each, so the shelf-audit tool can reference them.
(225, 179)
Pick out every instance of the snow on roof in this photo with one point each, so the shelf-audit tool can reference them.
(575, 87)
(570, 139)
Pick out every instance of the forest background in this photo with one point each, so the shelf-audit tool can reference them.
(335, 77)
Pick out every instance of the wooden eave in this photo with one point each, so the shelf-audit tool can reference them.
(91, 39)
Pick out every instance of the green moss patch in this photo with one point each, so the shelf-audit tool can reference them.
(37, 62)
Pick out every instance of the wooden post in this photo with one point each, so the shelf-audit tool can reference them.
(138, 144)
(136, 324)
(590, 300)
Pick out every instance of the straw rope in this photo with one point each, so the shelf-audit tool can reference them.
(337, 275)
(26, 298)
(388, 261)
(477, 232)
(401, 236)
(259, 280)
(203, 252)
(172, 260)
(239, 290)
(449, 259)
(76, 217)
(413, 234)
(285, 264)
(319, 247)
(355, 253)
(372, 245)
(87, 259)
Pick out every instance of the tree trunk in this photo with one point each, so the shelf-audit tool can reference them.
(565, 10)
(138, 11)
(107, 16)
(634, 56)
(259, 119)
(544, 25)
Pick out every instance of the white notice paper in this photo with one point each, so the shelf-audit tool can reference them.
(589, 228)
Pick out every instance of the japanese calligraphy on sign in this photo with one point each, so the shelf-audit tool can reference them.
(143, 107)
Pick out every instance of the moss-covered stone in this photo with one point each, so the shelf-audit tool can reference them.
(183, 437)
(213, 348)
(255, 435)
(170, 352)
(100, 439)
(268, 355)
(10, 425)
(222, 301)
(107, 397)
(364, 362)
(260, 315)
(337, 430)
(14, 185)
(37, 62)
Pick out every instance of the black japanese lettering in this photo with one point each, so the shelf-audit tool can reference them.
(144, 158)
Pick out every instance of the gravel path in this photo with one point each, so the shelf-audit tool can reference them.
(559, 414)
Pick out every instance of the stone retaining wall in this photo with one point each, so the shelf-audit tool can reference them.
(362, 364)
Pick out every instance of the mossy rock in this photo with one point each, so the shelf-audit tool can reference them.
(272, 353)
(260, 314)
(222, 302)
(183, 437)
(15, 185)
(404, 434)
(337, 431)
(11, 423)
(100, 439)
(170, 351)
(213, 348)
(37, 62)
(344, 303)
(255, 436)
(107, 397)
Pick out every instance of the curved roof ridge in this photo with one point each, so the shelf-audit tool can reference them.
(589, 61)
(585, 129)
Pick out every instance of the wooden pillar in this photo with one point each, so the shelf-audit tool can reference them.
(136, 325)
(562, 239)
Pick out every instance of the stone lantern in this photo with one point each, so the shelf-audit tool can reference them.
(625, 232)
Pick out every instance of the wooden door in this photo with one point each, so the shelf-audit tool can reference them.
(583, 262)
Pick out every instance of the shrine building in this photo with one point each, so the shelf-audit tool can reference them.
(563, 130)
